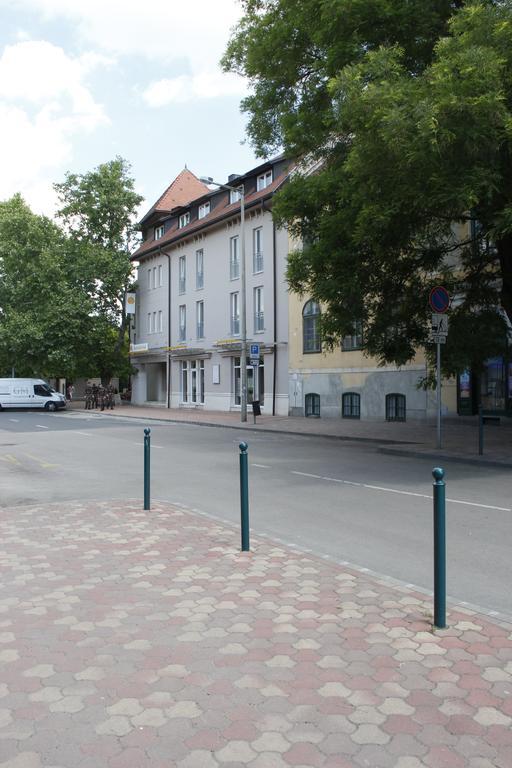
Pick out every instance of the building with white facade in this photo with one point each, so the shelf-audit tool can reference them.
(186, 340)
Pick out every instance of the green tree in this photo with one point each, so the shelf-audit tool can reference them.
(411, 130)
(44, 315)
(98, 210)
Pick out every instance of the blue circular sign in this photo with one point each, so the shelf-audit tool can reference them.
(439, 299)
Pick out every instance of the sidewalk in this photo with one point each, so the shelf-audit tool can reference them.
(134, 639)
(460, 439)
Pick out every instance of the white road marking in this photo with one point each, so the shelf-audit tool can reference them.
(86, 434)
(152, 445)
(402, 493)
(41, 426)
(261, 466)
(15, 420)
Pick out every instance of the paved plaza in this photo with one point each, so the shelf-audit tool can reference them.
(138, 639)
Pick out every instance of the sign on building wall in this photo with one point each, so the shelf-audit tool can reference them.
(130, 304)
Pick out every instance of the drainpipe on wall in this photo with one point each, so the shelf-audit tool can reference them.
(168, 329)
(274, 289)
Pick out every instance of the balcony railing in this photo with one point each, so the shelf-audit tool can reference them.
(234, 269)
(257, 262)
(259, 321)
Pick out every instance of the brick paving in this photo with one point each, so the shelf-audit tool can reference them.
(133, 639)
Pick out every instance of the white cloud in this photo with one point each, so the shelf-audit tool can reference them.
(196, 31)
(44, 105)
(206, 85)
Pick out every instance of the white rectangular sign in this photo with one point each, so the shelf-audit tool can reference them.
(439, 325)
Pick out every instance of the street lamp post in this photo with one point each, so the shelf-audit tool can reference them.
(243, 303)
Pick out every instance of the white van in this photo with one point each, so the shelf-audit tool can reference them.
(29, 393)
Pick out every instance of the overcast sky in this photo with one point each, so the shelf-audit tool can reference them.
(82, 81)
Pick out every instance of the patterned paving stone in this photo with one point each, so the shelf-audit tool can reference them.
(131, 639)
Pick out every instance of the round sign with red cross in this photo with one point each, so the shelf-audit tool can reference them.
(439, 299)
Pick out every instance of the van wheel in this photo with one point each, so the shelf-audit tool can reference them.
(50, 407)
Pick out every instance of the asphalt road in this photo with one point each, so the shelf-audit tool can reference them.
(339, 500)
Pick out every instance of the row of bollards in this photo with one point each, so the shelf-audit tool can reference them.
(439, 521)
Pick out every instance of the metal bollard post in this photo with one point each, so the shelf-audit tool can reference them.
(480, 430)
(439, 548)
(147, 446)
(244, 496)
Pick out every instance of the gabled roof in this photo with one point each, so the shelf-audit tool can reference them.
(185, 187)
(221, 211)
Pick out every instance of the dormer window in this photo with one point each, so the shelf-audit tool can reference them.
(159, 231)
(203, 210)
(184, 220)
(234, 195)
(264, 180)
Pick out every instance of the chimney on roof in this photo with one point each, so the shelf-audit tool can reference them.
(232, 177)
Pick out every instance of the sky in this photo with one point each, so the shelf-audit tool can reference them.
(82, 81)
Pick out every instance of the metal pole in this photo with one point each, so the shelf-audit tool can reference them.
(244, 496)
(439, 549)
(243, 312)
(147, 447)
(480, 430)
(439, 439)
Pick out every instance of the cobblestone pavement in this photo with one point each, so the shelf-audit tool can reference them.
(132, 639)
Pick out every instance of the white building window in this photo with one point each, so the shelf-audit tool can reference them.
(160, 321)
(183, 323)
(192, 381)
(199, 269)
(235, 314)
(154, 277)
(264, 180)
(259, 314)
(203, 210)
(200, 319)
(159, 231)
(234, 259)
(160, 276)
(234, 195)
(184, 220)
(257, 252)
(149, 279)
(150, 323)
(154, 322)
(183, 274)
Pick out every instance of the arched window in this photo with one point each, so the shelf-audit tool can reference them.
(351, 405)
(395, 407)
(312, 404)
(310, 330)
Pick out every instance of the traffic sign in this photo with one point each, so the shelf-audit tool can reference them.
(439, 299)
(437, 338)
(255, 353)
(440, 324)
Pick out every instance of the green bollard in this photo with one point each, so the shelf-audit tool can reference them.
(439, 548)
(147, 446)
(244, 496)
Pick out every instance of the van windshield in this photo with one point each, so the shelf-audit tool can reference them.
(42, 389)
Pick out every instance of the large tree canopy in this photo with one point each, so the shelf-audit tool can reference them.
(62, 289)
(45, 316)
(407, 109)
(98, 210)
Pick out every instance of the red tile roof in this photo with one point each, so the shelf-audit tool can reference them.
(221, 211)
(185, 187)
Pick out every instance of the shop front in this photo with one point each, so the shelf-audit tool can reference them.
(491, 388)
